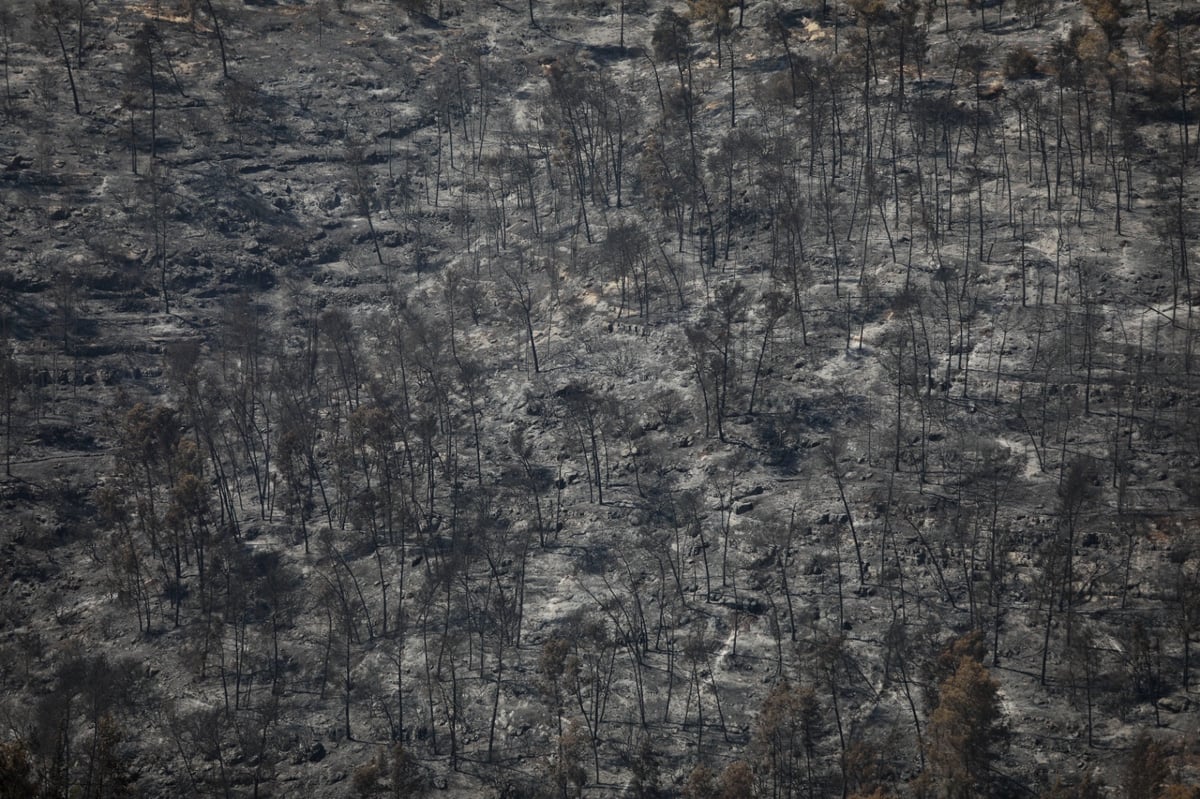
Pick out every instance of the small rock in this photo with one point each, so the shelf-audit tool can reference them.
(1174, 704)
(317, 753)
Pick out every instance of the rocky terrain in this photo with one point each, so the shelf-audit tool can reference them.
(599, 398)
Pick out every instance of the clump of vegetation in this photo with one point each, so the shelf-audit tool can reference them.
(1020, 63)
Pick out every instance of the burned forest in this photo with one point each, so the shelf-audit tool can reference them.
(698, 399)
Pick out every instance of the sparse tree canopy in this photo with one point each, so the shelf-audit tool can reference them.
(583, 398)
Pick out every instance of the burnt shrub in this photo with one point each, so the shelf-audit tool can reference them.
(1020, 63)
